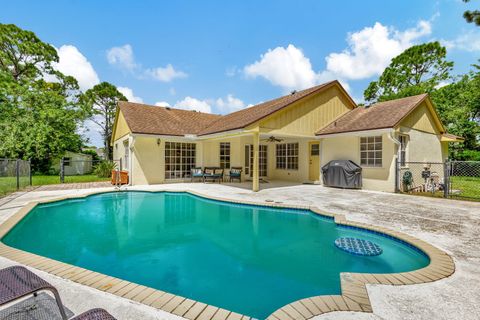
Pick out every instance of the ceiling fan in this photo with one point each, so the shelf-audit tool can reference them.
(272, 139)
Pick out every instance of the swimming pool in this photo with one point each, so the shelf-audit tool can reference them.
(248, 259)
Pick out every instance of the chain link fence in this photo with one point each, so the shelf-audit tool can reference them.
(449, 179)
(15, 174)
(464, 179)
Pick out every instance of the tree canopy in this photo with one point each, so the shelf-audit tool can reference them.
(418, 69)
(472, 15)
(424, 69)
(38, 117)
(101, 101)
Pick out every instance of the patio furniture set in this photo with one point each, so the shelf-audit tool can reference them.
(216, 174)
(18, 282)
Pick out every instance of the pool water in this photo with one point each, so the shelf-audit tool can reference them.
(248, 259)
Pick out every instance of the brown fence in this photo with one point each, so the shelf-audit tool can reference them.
(449, 179)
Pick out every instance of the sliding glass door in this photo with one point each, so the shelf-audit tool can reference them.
(262, 160)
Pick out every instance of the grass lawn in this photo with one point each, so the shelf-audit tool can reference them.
(43, 180)
(462, 188)
(9, 184)
(469, 187)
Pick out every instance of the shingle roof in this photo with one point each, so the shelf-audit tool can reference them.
(245, 117)
(377, 116)
(147, 119)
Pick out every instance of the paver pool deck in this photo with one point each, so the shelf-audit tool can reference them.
(452, 226)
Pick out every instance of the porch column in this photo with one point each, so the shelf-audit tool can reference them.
(256, 142)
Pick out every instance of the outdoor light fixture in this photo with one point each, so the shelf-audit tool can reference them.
(158, 142)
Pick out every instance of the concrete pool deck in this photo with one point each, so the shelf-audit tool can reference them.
(450, 225)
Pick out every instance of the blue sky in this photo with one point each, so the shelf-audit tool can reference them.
(221, 56)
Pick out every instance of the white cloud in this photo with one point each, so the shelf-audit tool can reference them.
(128, 93)
(165, 74)
(189, 103)
(469, 41)
(229, 104)
(371, 49)
(162, 104)
(73, 63)
(122, 57)
(286, 67)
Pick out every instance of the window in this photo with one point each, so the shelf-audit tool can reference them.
(179, 159)
(225, 155)
(287, 156)
(403, 150)
(126, 155)
(247, 159)
(371, 151)
(315, 149)
(66, 161)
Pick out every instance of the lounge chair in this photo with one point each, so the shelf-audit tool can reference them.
(17, 282)
(235, 174)
(94, 314)
(213, 174)
(196, 173)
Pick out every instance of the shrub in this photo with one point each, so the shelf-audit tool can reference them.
(104, 169)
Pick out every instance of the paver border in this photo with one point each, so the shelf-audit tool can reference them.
(354, 295)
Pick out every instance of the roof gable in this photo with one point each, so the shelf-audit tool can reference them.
(382, 115)
(249, 116)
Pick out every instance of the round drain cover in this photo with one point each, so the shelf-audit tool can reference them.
(358, 246)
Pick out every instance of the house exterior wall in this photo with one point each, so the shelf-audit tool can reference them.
(307, 116)
(121, 128)
(421, 119)
(348, 148)
(424, 147)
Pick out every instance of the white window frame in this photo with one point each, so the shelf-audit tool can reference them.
(287, 156)
(225, 151)
(369, 151)
(180, 158)
(402, 149)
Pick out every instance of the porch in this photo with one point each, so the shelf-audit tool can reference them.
(267, 161)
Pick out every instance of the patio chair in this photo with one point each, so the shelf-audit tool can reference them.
(196, 173)
(17, 282)
(94, 314)
(235, 174)
(213, 174)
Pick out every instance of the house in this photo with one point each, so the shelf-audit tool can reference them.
(288, 138)
(74, 163)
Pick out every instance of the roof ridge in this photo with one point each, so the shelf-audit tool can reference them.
(167, 108)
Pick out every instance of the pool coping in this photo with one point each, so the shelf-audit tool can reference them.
(354, 295)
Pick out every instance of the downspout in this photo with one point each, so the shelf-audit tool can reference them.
(131, 147)
(391, 136)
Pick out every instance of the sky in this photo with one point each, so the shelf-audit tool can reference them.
(222, 56)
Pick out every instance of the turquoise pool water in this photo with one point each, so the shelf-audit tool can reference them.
(248, 259)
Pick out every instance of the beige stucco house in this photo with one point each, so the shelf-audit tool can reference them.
(288, 138)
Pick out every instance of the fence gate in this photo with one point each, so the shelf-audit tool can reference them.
(449, 179)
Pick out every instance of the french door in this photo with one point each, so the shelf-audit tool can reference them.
(262, 160)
